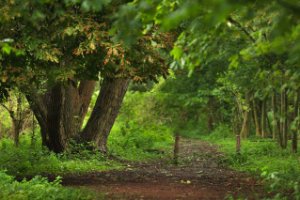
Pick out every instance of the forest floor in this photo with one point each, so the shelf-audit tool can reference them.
(199, 175)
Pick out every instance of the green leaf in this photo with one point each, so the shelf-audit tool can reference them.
(177, 52)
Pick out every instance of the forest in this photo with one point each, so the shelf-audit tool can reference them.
(149, 99)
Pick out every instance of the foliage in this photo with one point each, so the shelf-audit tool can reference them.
(278, 168)
(222, 131)
(230, 60)
(31, 159)
(139, 132)
(282, 187)
(49, 41)
(37, 188)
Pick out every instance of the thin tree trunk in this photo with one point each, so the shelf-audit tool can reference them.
(296, 121)
(17, 128)
(245, 125)
(33, 137)
(283, 124)
(18, 118)
(85, 90)
(274, 111)
(256, 120)
(285, 118)
(269, 126)
(105, 111)
(236, 129)
(263, 119)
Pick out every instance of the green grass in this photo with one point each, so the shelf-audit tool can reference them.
(29, 160)
(38, 188)
(262, 157)
(258, 156)
(140, 143)
(137, 143)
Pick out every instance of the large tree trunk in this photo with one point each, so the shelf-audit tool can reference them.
(105, 111)
(60, 112)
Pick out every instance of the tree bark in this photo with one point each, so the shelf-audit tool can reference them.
(296, 121)
(85, 90)
(18, 117)
(283, 122)
(256, 120)
(105, 111)
(263, 119)
(60, 112)
(245, 125)
(274, 122)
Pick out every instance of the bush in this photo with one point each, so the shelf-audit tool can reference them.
(26, 158)
(31, 159)
(222, 131)
(278, 168)
(280, 186)
(37, 188)
(139, 142)
(140, 132)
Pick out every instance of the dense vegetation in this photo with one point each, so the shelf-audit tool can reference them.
(87, 84)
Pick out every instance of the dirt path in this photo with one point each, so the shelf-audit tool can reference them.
(198, 176)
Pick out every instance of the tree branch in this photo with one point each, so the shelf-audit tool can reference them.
(243, 29)
(11, 112)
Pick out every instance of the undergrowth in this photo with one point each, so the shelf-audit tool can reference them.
(38, 188)
(279, 169)
(137, 143)
(29, 159)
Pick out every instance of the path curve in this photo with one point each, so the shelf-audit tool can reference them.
(200, 175)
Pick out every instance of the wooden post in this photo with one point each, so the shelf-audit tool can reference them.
(176, 149)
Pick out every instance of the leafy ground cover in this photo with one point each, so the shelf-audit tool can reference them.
(30, 159)
(279, 169)
(38, 188)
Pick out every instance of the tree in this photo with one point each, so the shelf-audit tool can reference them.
(65, 46)
(259, 39)
(18, 112)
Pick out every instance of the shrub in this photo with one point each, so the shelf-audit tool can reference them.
(37, 188)
(139, 142)
(222, 131)
(32, 159)
(26, 158)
